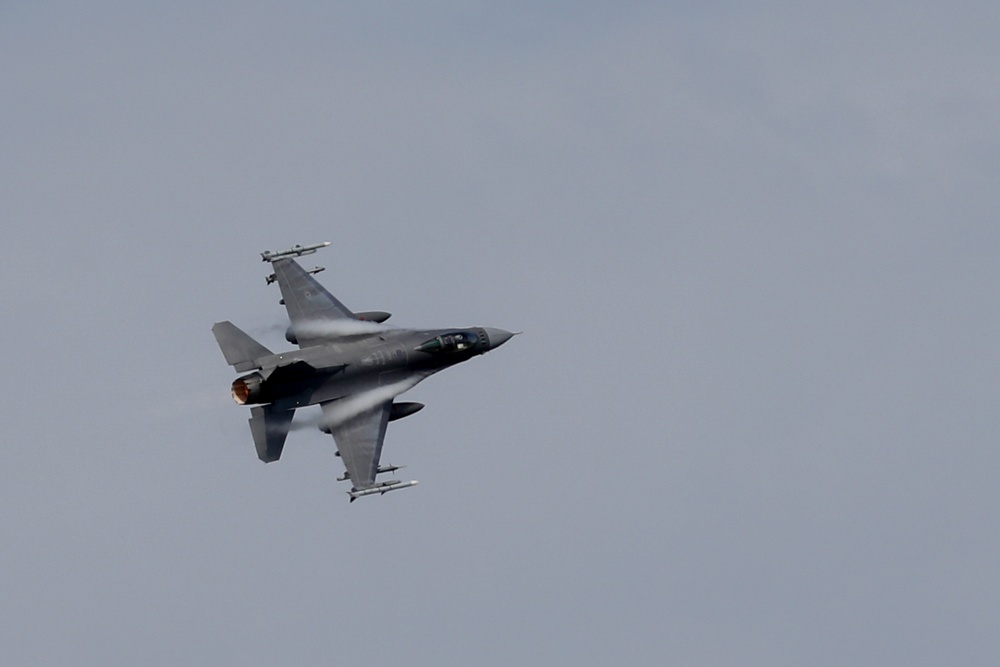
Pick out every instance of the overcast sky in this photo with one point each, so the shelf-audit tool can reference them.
(754, 250)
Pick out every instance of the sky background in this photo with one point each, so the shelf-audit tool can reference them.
(753, 248)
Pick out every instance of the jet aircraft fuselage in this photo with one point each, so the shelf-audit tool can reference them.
(360, 362)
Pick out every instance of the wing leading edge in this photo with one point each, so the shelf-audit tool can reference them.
(359, 439)
(311, 309)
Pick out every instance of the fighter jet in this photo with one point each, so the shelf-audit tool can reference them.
(350, 364)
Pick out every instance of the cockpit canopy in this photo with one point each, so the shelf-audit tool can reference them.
(455, 341)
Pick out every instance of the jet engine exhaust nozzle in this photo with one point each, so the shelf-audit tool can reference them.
(247, 389)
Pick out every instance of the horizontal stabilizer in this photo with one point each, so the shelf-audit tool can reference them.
(241, 351)
(269, 428)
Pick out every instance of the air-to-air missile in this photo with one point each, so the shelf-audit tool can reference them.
(294, 251)
(381, 488)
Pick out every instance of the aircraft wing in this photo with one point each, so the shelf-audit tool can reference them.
(312, 311)
(359, 438)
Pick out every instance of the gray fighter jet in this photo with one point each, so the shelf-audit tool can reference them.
(350, 364)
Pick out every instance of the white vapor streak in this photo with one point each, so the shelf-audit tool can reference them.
(310, 421)
(340, 328)
(351, 406)
(329, 328)
(189, 402)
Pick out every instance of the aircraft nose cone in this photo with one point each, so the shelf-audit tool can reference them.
(497, 337)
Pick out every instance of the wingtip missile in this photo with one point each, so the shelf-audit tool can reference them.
(294, 251)
(383, 488)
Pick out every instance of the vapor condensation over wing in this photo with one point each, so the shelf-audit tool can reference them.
(340, 328)
(352, 406)
(312, 420)
(321, 329)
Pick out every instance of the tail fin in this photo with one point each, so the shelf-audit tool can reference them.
(241, 351)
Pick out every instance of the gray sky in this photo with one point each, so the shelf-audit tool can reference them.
(752, 419)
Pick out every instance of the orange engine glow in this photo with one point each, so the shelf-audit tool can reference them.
(241, 392)
(247, 389)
